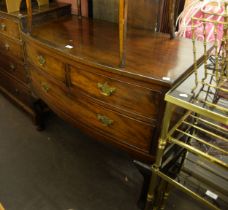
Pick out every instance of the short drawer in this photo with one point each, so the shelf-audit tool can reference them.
(11, 48)
(117, 93)
(18, 90)
(44, 60)
(9, 28)
(123, 129)
(14, 68)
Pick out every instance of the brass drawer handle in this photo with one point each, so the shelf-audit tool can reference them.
(3, 27)
(12, 67)
(41, 60)
(104, 120)
(17, 91)
(105, 89)
(7, 46)
(45, 87)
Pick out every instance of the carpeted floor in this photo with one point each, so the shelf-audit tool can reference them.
(63, 169)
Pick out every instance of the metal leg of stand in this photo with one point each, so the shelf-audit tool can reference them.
(151, 192)
(165, 196)
(151, 196)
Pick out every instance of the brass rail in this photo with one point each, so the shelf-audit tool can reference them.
(186, 190)
(207, 114)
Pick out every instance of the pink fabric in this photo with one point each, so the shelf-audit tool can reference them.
(195, 8)
(74, 6)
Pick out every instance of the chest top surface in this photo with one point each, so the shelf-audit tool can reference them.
(150, 56)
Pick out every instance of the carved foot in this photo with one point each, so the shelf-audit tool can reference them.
(40, 109)
(145, 170)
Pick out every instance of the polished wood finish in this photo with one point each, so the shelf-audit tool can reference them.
(121, 128)
(123, 12)
(128, 95)
(164, 17)
(13, 74)
(14, 68)
(79, 5)
(48, 63)
(29, 13)
(86, 86)
(9, 28)
(150, 14)
(172, 4)
(142, 14)
(11, 47)
(17, 92)
(150, 56)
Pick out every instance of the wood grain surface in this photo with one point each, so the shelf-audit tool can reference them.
(149, 56)
(142, 14)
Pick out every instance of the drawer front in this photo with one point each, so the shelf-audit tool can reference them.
(16, 89)
(9, 28)
(13, 68)
(11, 48)
(43, 60)
(111, 124)
(123, 95)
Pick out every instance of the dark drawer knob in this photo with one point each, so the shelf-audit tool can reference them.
(3, 27)
(104, 120)
(41, 60)
(105, 89)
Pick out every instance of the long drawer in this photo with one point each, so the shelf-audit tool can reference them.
(11, 48)
(15, 88)
(14, 68)
(119, 94)
(130, 97)
(9, 28)
(123, 129)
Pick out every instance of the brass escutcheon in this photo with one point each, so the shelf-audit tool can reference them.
(41, 60)
(104, 120)
(105, 89)
(12, 66)
(3, 26)
(17, 91)
(45, 87)
(7, 46)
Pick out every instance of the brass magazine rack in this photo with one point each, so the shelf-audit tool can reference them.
(203, 130)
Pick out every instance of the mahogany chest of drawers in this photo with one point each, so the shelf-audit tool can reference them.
(74, 68)
(14, 81)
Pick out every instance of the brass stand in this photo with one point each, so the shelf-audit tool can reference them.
(206, 117)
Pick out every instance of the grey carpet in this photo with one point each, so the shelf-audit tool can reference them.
(63, 169)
